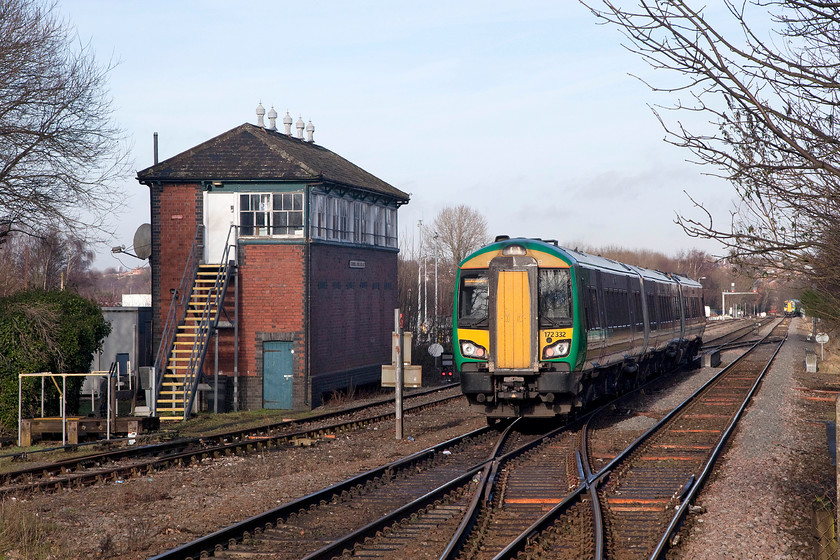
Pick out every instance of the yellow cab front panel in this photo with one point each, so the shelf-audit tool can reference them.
(513, 321)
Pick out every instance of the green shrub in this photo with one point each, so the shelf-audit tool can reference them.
(55, 331)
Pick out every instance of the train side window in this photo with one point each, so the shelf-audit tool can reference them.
(473, 300)
(608, 308)
(652, 314)
(638, 316)
(617, 310)
(624, 308)
(593, 316)
(555, 297)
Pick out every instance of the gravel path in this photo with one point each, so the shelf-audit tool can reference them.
(759, 503)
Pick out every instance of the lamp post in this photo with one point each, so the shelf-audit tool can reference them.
(436, 284)
(419, 271)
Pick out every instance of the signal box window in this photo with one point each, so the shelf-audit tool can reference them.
(266, 214)
(473, 300)
(555, 298)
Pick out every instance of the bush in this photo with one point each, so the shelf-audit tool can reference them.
(55, 331)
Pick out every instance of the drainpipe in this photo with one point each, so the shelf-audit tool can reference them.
(236, 325)
(307, 256)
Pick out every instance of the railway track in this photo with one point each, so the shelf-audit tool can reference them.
(324, 523)
(735, 338)
(639, 498)
(135, 461)
(583, 490)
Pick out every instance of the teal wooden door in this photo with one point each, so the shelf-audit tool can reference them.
(278, 363)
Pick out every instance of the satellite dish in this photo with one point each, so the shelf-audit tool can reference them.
(143, 241)
(435, 350)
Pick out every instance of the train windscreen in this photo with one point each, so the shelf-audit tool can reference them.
(473, 300)
(555, 297)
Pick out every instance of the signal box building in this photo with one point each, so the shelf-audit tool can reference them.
(274, 271)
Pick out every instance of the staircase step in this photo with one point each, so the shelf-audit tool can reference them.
(202, 308)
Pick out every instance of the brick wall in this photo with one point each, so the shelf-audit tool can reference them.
(351, 315)
(351, 308)
(271, 307)
(176, 212)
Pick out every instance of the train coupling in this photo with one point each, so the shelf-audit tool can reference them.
(513, 388)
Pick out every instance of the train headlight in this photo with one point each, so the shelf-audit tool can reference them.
(514, 251)
(557, 350)
(472, 350)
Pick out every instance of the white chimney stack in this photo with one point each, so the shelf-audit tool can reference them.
(299, 125)
(260, 115)
(272, 119)
(310, 130)
(287, 123)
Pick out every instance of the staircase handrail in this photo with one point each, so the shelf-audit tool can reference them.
(207, 324)
(184, 291)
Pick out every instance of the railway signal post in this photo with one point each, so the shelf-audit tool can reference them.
(398, 374)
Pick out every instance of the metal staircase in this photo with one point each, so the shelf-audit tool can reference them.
(199, 303)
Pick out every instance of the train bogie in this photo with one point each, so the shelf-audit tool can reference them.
(540, 330)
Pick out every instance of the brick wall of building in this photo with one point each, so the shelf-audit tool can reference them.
(271, 303)
(351, 309)
(176, 217)
(351, 314)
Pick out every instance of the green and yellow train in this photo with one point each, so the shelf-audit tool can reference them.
(792, 308)
(539, 330)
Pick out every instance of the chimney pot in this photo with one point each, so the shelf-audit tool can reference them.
(272, 119)
(260, 115)
(287, 123)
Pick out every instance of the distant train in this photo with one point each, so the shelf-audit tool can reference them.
(792, 308)
(539, 330)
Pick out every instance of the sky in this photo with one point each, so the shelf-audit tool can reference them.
(528, 112)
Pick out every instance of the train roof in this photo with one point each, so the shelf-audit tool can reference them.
(574, 256)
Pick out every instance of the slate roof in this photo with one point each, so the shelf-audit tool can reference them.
(252, 153)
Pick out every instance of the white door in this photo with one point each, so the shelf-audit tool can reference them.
(219, 215)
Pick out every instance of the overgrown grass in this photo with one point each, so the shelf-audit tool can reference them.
(23, 534)
(208, 423)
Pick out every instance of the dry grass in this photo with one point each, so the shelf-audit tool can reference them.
(23, 535)
(828, 357)
(208, 423)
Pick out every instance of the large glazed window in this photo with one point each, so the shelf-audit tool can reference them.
(353, 221)
(473, 300)
(555, 297)
(265, 214)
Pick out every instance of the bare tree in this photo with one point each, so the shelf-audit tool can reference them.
(50, 261)
(457, 231)
(773, 97)
(60, 153)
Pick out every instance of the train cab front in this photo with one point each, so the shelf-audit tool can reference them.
(514, 332)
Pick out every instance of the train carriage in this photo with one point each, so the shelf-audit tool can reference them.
(539, 330)
(792, 308)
